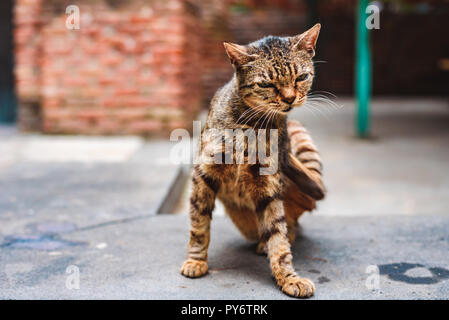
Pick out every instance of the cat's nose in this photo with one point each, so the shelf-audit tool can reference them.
(287, 95)
(288, 99)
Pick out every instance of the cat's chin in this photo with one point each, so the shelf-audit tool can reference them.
(287, 110)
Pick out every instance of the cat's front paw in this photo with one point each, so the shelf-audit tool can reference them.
(299, 287)
(194, 268)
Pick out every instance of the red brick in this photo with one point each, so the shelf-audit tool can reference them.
(130, 114)
(92, 114)
(126, 91)
(138, 101)
(125, 71)
(111, 60)
(109, 102)
(107, 81)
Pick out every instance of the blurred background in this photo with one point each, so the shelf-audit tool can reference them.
(85, 166)
(140, 69)
(147, 67)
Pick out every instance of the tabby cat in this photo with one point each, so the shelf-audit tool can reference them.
(272, 75)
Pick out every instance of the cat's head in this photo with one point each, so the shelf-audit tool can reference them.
(275, 72)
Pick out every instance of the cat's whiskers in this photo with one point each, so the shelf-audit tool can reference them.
(314, 108)
(264, 115)
(323, 96)
(328, 109)
(270, 112)
(322, 92)
(253, 115)
(320, 101)
(261, 106)
(319, 107)
(273, 116)
(249, 110)
(252, 112)
(312, 111)
(324, 104)
(320, 111)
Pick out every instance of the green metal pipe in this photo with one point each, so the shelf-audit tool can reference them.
(363, 72)
(7, 105)
(7, 96)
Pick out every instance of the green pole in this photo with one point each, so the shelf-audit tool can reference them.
(363, 72)
(7, 106)
(7, 96)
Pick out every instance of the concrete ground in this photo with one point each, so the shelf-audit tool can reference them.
(140, 259)
(80, 212)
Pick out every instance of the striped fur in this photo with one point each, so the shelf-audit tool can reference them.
(272, 76)
(304, 149)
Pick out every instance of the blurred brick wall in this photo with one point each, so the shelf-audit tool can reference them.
(216, 69)
(130, 69)
(27, 47)
(141, 66)
(27, 38)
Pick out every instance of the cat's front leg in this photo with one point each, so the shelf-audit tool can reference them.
(202, 202)
(274, 234)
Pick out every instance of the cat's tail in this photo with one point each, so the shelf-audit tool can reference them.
(303, 150)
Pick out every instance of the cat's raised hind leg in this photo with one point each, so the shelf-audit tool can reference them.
(274, 234)
(202, 202)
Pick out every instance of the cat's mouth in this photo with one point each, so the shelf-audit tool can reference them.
(297, 104)
(287, 109)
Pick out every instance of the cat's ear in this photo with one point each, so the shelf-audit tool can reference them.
(307, 40)
(238, 54)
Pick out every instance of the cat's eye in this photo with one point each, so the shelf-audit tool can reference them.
(302, 77)
(265, 85)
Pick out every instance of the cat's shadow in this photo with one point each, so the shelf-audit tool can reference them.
(240, 258)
